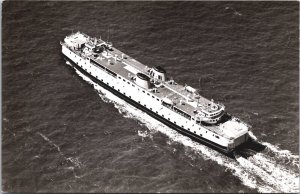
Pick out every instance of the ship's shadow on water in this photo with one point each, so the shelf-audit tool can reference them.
(248, 149)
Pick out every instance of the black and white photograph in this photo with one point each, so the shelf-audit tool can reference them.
(150, 97)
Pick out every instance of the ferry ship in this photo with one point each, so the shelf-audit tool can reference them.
(150, 89)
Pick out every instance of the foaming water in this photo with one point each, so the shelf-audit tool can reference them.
(261, 171)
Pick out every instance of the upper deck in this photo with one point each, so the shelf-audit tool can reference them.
(127, 67)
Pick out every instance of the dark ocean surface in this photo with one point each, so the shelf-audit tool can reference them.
(62, 133)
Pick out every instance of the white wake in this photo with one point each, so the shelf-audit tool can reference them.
(261, 171)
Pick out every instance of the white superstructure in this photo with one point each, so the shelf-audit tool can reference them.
(150, 89)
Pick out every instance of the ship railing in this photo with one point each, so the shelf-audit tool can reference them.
(96, 64)
(177, 110)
